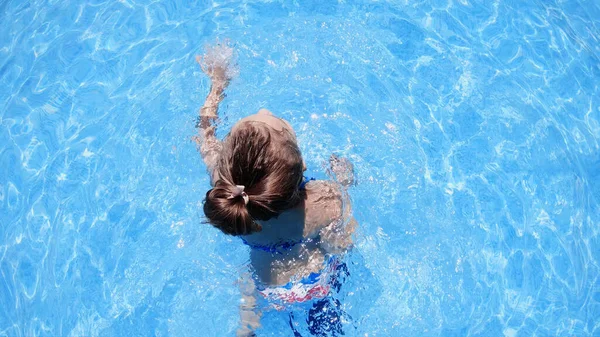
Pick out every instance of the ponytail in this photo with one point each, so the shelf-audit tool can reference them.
(228, 210)
(258, 179)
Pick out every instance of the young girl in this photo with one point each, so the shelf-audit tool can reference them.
(296, 227)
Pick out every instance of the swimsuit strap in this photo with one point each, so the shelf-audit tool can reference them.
(277, 248)
(305, 181)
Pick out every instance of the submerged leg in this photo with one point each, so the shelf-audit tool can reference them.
(325, 318)
(340, 276)
(296, 333)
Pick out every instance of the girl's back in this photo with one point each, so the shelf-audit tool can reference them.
(290, 245)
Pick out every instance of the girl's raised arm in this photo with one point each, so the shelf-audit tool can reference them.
(219, 64)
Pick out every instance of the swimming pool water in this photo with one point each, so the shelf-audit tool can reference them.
(474, 127)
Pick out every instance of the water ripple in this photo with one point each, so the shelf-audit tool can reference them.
(473, 126)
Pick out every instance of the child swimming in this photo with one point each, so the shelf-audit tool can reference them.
(297, 228)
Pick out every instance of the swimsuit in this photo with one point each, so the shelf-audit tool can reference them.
(313, 286)
(278, 248)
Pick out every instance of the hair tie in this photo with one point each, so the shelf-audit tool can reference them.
(239, 191)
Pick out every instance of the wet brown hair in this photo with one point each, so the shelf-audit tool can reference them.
(268, 164)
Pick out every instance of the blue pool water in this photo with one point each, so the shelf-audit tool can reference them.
(474, 127)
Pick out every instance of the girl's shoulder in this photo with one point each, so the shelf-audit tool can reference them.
(323, 205)
(323, 190)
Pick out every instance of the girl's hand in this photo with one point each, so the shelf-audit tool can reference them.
(343, 170)
(219, 63)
